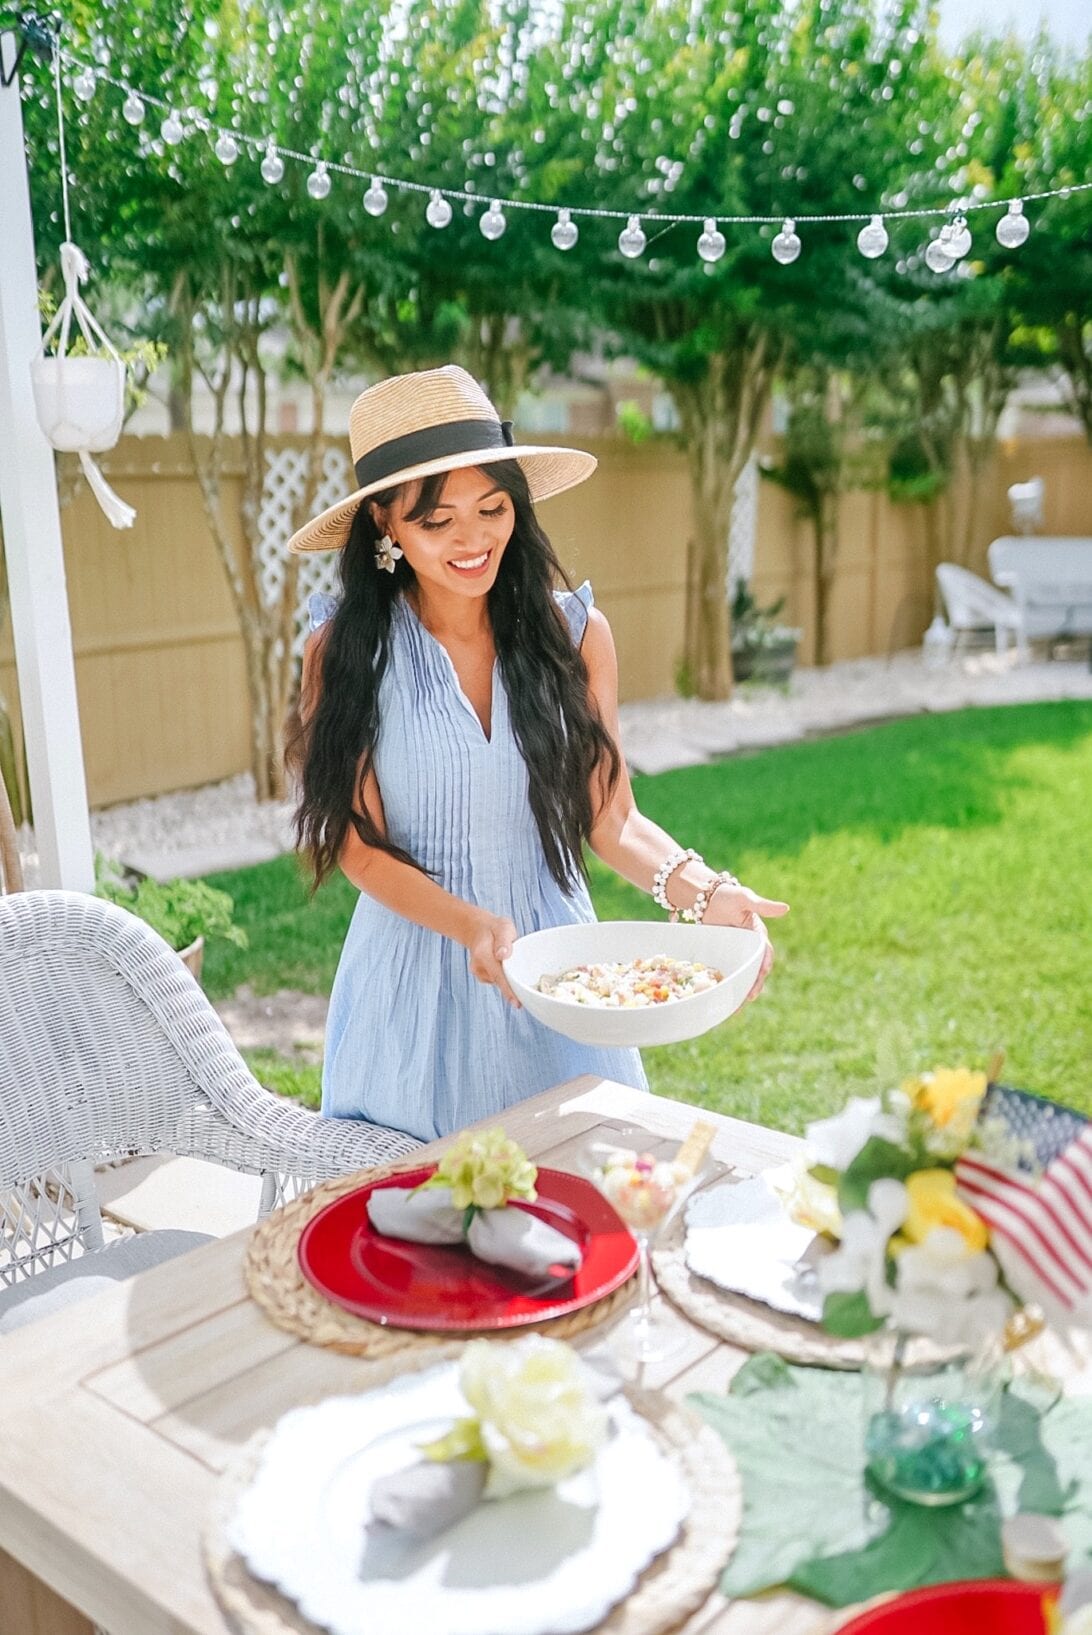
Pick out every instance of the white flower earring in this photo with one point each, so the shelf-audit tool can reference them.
(387, 553)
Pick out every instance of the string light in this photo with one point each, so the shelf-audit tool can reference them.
(226, 149)
(272, 166)
(438, 210)
(318, 183)
(492, 224)
(632, 240)
(375, 198)
(712, 243)
(959, 238)
(564, 232)
(1012, 229)
(872, 240)
(786, 246)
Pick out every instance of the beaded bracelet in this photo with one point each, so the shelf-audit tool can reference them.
(705, 896)
(673, 861)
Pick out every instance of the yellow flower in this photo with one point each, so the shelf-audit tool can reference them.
(539, 1418)
(486, 1169)
(950, 1096)
(807, 1201)
(933, 1202)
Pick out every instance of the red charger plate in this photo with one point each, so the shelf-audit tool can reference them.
(440, 1288)
(983, 1607)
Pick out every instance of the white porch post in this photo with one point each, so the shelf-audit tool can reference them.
(32, 538)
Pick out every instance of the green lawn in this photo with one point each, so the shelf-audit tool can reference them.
(940, 876)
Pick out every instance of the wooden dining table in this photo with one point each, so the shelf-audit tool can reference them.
(119, 1415)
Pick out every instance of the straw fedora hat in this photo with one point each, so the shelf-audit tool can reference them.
(411, 426)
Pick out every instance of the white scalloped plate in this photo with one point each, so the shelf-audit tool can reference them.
(739, 1236)
(542, 1563)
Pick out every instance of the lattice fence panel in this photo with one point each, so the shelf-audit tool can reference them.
(283, 490)
(744, 526)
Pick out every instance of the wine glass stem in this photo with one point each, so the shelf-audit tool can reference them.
(644, 1280)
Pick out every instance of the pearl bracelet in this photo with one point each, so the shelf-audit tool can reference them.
(705, 895)
(673, 861)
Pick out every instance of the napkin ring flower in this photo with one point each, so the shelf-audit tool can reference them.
(536, 1416)
(485, 1170)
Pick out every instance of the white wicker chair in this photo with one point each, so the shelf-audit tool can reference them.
(109, 1048)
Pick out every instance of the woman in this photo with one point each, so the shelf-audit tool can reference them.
(458, 747)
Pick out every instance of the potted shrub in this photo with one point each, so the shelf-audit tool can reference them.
(184, 912)
(762, 649)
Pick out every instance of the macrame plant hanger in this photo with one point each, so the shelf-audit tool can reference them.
(80, 401)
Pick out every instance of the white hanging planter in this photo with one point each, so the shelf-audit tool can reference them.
(80, 401)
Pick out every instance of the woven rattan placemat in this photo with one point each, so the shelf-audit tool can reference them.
(672, 1587)
(275, 1281)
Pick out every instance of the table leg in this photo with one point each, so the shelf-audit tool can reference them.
(29, 1607)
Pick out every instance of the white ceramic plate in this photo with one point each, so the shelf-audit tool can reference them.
(736, 952)
(739, 1237)
(550, 1561)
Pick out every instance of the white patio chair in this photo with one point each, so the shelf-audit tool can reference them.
(974, 604)
(108, 1048)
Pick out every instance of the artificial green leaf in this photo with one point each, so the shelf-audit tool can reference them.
(462, 1442)
(849, 1315)
(759, 1373)
(826, 1174)
(812, 1518)
(876, 1159)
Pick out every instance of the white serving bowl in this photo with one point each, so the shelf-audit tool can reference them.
(727, 948)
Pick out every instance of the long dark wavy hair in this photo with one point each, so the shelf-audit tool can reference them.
(557, 726)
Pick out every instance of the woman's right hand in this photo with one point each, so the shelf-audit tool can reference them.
(488, 942)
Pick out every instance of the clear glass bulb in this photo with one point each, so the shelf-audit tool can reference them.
(375, 199)
(226, 149)
(318, 183)
(438, 210)
(492, 224)
(872, 240)
(1013, 228)
(272, 166)
(958, 242)
(786, 246)
(564, 232)
(712, 243)
(171, 129)
(132, 109)
(84, 85)
(632, 240)
(937, 258)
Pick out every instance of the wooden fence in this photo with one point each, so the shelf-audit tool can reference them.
(159, 659)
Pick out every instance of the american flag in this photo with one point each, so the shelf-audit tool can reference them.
(1041, 1226)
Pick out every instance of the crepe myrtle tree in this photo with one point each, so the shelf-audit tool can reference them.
(245, 277)
(1051, 276)
(768, 109)
(951, 346)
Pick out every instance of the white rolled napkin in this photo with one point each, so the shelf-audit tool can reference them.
(505, 1237)
(421, 1215)
(521, 1241)
(427, 1498)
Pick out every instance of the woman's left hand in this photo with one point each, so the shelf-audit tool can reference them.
(739, 905)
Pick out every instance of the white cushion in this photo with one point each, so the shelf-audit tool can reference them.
(78, 1280)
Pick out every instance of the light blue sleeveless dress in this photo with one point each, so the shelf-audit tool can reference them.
(413, 1040)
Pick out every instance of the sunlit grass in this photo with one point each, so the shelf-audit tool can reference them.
(941, 889)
